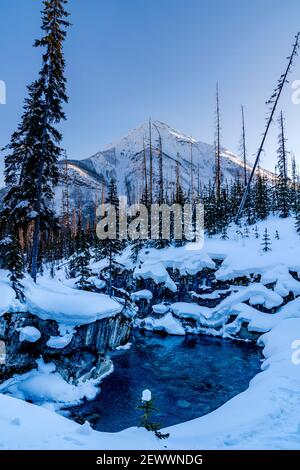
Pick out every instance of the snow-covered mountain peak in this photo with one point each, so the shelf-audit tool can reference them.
(142, 133)
(123, 160)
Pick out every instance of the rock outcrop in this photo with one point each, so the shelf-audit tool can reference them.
(83, 356)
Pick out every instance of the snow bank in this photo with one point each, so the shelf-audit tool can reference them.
(50, 299)
(153, 263)
(25, 426)
(44, 385)
(244, 256)
(8, 299)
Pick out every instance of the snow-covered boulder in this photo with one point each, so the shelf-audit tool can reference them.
(29, 333)
(168, 323)
(142, 294)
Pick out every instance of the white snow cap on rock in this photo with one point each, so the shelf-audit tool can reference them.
(29, 333)
(146, 395)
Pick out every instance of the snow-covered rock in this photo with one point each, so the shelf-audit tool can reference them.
(160, 308)
(153, 263)
(142, 294)
(167, 323)
(60, 342)
(50, 299)
(44, 384)
(29, 333)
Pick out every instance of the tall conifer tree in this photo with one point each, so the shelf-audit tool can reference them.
(31, 165)
(283, 205)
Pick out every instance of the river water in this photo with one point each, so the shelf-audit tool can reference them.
(188, 377)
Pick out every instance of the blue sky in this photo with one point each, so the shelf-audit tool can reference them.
(129, 59)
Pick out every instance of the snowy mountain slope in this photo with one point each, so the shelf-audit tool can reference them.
(123, 160)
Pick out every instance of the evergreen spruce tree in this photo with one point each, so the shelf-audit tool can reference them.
(261, 194)
(295, 184)
(17, 210)
(98, 252)
(283, 204)
(250, 206)
(266, 241)
(14, 262)
(256, 233)
(209, 201)
(297, 219)
(31, 166)
(273, 192)
(148, 408)
(81, 260)
(112, 246)
(179, 198)
(277, 237)
(236, 193)
(246, 232)
(224, 234)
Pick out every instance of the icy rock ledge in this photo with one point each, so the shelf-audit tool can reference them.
(76, 352)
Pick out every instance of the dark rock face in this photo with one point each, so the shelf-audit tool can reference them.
(203, 282)
(84, 356)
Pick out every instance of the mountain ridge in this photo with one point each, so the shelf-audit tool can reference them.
(123, 161)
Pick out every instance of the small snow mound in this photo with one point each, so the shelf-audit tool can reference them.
(146, 395)
(142, 294)
(167, 323)
(29, 333)
(60, 342)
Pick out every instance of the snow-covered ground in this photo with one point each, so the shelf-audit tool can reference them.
(45, 386)
(263, 417)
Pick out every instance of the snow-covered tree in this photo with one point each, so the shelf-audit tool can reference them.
(147, 407)
(81, 261)
(224, 234)
(31, 165)
(112, 246)
(262, 200)
(14, 262)
(297, 219)
(266, 241)
(246, 232)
